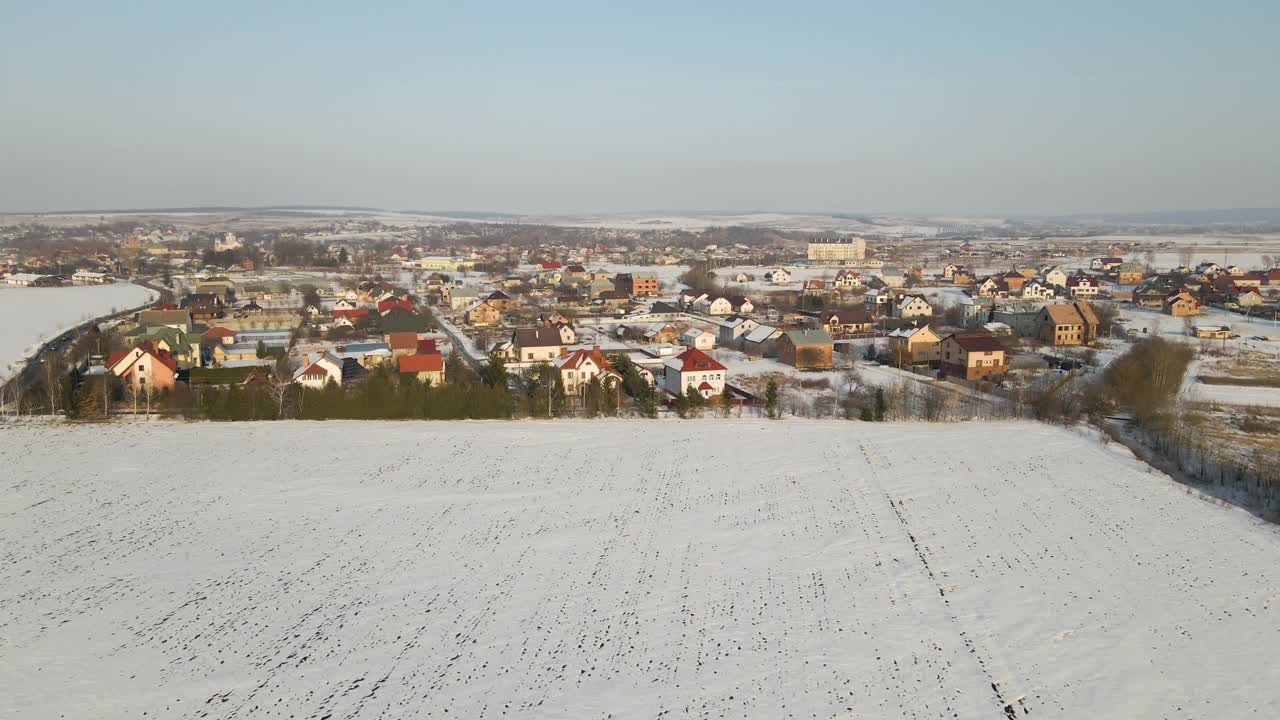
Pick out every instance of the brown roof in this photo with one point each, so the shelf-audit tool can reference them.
(978, 342)
(537, 337)
(407, 340)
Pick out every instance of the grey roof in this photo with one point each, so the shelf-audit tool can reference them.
(809, 337)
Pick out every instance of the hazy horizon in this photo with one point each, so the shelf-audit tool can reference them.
(1006, 109)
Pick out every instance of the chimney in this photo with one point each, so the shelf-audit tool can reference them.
(564, 351)
(306, 360)
(595, 349)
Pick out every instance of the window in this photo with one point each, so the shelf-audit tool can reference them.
(142, 368)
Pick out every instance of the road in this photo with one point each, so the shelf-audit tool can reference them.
(60, 344)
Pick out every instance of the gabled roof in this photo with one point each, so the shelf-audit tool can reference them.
(397, 319)
(575, 359)
(537, 337)
(761, 333)
(808, 337)
(402, 340)
(693, 360)
(977, 342)
(146, 347)
(850, 316)
(422, 362)
(218, 332)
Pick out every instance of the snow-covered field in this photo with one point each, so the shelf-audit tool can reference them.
(30, 316)
(622, 569)
(1234, 395)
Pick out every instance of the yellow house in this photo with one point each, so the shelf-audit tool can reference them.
(483, 314)
(912, 345)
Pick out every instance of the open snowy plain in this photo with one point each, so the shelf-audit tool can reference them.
(621, 569)
(33, 315)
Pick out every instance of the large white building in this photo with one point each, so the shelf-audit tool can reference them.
(693, 370)
(837, 249)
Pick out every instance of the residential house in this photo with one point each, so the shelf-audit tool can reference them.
(644, 283)
(912, 306)
(501, 300)
(1055, 277)
(428, 368)
(694, 370)
(700, 339)
(847, 280)
(1180, 304)
(973, 356)
(734, 327)
(915, 345)
(1014, 280)
(403, 343)
(716, 305)
(762, 341)
(1073, 324)
(1105, 264)
(806, 349)
(1037, 290)
(482, 314)
(579, 367)
(144, 367)
(847, 322)
(536, 344)
(87, 277)
(878, 302)
(991, 287)
(781, 276)
(1081, 285)
(1247, 297)
(662, 334)
(1130, 273)
(460, 298)
(328, 368)
(180, 319)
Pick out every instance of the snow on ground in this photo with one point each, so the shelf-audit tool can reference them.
(1233, 394)
(707, 569)
(31, 316)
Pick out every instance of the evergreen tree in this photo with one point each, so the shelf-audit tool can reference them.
(455, 370)
(881, 406)
(726, 402)
(772, 402)
(262, 349)
(495, 373)
(871, 351)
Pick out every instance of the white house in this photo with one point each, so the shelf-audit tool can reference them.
(1055, 277)
(912, 306)
(700, 339)
(316, 375)
(778, 277)
(693, 369)
(1085, 286)
(847, 279)
(714, 306)
(734, 327)
(86, 277)
(1036, 290)
(579, 367)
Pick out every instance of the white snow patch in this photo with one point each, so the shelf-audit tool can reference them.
(621, 569)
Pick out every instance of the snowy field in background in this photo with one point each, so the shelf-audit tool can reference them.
(31, 316)
(1234, 395)
(622, 569)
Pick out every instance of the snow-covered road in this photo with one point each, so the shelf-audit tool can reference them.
(621, 569)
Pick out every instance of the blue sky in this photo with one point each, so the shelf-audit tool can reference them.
(991, 107)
